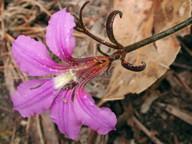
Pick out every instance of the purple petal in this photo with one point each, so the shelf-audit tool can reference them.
(33, 57)
(101, 120)
(59, 36)
(34, 97)
(63, 115)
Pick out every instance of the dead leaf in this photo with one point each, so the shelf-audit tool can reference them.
(140, 19)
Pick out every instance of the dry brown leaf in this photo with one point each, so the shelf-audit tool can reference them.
(140, 18)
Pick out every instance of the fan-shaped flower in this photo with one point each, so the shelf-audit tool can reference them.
(70, 106)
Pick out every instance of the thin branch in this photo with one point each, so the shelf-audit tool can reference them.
(146, 131)
(39, 130)
(181, 114)
(158, 36)
(100, 40)
(187, 88)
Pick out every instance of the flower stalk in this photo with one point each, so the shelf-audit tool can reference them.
(158, 36)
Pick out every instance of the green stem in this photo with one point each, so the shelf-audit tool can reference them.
(158, 36)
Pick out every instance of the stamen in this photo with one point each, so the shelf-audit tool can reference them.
(100, 61)
(69, 85)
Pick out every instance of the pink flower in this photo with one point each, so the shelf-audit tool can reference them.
(70, 106)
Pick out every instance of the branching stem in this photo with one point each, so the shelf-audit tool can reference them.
(121, 51)
(100, 40)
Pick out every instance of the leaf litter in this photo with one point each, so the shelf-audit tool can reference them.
(167, 103)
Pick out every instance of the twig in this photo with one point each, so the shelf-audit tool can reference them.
(40, 6)
(6, 109)
(146, 131)
(39, 130)
(4, 67)
(188, 89)
(185, 116)
(182, 66)
(2, 18)
(13, 134)
(185, 47)
(158, 36)
(27, 130)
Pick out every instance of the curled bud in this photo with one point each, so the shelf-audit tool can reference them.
(136, 68)
(109, 26)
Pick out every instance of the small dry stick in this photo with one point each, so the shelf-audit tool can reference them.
(146, 131)
(188, 89)
(13, 134)
(181, 114)
(39, 130)
(185, 47)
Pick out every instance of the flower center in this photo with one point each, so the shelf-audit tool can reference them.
(81, 72)
(63, 80)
